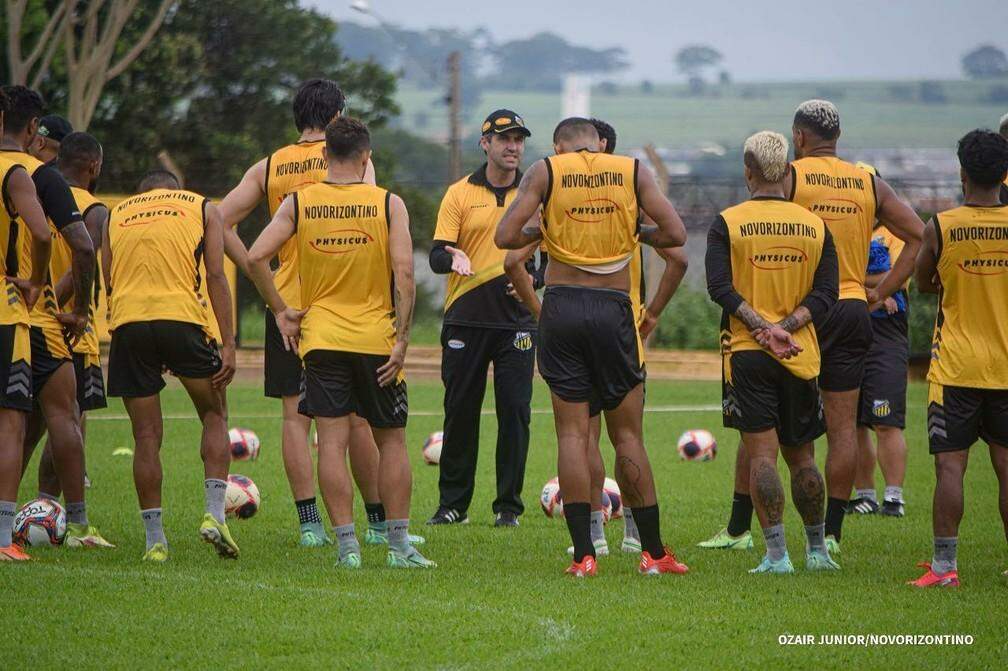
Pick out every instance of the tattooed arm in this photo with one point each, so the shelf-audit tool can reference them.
(514, 230)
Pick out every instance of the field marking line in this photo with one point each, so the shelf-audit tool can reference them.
(417, 413)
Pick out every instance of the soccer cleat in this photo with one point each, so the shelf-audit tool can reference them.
(667, 564)
(601, 548)
(832, 545)
(13, 552)
(378, 537)
(313, 536)
(586, 568)
(932, 579)
(862, 506)
(448, 516)
(782, 566)
(84, 536)
(817, 560)
(351, 560)
(631, 545)
(217, 534)
(157, 552)
(722, 540)
(892, 508)
(505, 519)
(410, 559)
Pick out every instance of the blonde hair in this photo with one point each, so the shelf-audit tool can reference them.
(766, 153)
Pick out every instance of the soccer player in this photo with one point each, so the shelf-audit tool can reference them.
(589, 345)
(52, 332)
(151, 255)
(849, 200)
(882, 408)
(647, 318)
(963, 261)
(355, 262)
(52, 129)
(17, 191)
(772, 267)
(288, 169)
(482, 324)
(80, 162)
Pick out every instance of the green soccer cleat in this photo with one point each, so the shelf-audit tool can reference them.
(601, 548)
(832, 545)
(84, 536)
(157, 553)
(377, 537)
(782, 566)
(631, 545)
(352, 560)
(817, 560)
(217, 534)
(411, 559)
(722, 540)
(313, 536)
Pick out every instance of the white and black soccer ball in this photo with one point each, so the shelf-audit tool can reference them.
(244, 444)
(550, 499)
(241, 499)
(39, 523)
(432, 448)
(697, 445)
(612, 490)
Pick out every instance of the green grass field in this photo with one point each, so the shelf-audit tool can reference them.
(499, 599)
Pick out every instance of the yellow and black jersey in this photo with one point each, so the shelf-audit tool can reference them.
(970, 344)
(60, 265)
(12, 307)
(590, 210)
(345, 268)
(467, 220)
(843, 195)
(156, 241)
(775, 256)
(288, 170)
(637, 284)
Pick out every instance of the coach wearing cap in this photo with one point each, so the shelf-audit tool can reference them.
(483, 324)
(46, 143)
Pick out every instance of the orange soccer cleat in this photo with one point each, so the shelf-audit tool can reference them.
(584, 569)
(932, 579)
(13, 552)
(667, 564)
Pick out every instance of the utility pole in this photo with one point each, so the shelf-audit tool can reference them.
(454, 120)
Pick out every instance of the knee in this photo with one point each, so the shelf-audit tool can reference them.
(949, 467)
(148, 434)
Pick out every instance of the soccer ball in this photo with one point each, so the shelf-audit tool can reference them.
(40, 522)
(611, 488)
(550, 499)
(242, 497)
(432, 448)
(697, 445)
(244, 444)
(606, 507)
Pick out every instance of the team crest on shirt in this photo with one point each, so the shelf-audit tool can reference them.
(523, 341)
(880, 408)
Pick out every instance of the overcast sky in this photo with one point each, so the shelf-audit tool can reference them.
(797, 40)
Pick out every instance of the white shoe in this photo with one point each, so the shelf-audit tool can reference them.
(631, 545)
(601, 548)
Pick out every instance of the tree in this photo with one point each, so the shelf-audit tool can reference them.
(694, 60)
(46, 28)
(985, 62)
(540, 62)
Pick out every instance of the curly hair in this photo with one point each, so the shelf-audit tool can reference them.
(605, 132)
(23, 105)
(983, 155)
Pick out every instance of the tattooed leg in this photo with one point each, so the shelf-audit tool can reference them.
(765, 485)
(808, 491)
(633, 469)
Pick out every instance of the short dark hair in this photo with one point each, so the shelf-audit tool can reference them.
(346, 137)
(316, 103)
(605, 132)
(820, 117)
(983, 155)
(572, 127)
(78, 149)
(23, 105)
(159, 178)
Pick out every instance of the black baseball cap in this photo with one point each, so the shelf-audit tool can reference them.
(54, 127)
(503, 120)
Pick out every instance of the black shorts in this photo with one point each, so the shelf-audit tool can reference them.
(339, 383)
(958, 416)
(90, 382)
(845, 337)
(595, 405)
(884, 387)
(141, 351)
(49, 352)
(282, 369)
(15, 367)
(588, 345)
(761, 394)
